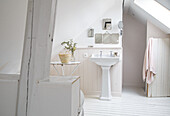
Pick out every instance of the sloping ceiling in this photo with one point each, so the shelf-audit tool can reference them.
(135, 11)
(165, 3)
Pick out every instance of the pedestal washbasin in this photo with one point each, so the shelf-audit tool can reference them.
(105, 61)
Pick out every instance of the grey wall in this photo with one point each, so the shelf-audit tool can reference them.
(134, 41)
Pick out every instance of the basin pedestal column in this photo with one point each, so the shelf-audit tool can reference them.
(106, 87)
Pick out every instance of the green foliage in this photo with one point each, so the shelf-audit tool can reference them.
(69, 45)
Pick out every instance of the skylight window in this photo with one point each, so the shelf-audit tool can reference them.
(159, 12)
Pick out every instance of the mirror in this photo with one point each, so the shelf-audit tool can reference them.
(107, 24)
(110, 38)
(91, 32)
(106, 38)
(98, 38)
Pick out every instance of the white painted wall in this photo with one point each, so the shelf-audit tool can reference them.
(12, 30)
(154, 31)
(75, 17)
(134, 42)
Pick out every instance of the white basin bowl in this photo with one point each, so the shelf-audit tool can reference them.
(104, 60)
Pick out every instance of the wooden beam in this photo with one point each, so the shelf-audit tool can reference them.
(36, 53)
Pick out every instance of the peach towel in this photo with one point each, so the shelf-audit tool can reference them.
(148, 67)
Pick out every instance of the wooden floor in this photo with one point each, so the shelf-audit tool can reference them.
(132, 103)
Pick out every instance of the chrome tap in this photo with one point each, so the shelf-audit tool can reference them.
(111, 53)
(100, 53)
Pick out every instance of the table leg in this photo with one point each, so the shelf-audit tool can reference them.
(62, 67)
(56, 69)
(74, 69)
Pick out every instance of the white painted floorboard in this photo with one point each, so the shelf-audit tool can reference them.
(132, 103)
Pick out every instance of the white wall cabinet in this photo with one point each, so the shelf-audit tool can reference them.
(57, 96)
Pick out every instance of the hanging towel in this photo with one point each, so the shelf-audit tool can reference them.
(148, 66)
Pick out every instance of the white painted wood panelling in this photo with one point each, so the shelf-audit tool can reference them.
(57, 97)
(91, 74)
(132, 103)
(161, 84)
(37, 52)
(8, 94)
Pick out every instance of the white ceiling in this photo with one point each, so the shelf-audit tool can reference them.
(135, 11)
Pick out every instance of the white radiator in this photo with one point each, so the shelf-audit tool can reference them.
(161, 85)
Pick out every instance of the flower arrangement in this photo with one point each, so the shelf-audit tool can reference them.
(70, 46)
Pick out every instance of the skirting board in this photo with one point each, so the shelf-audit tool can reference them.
(136, 84)
(9, 76)
(97, 94)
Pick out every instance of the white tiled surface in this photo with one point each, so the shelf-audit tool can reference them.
(132, 103)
